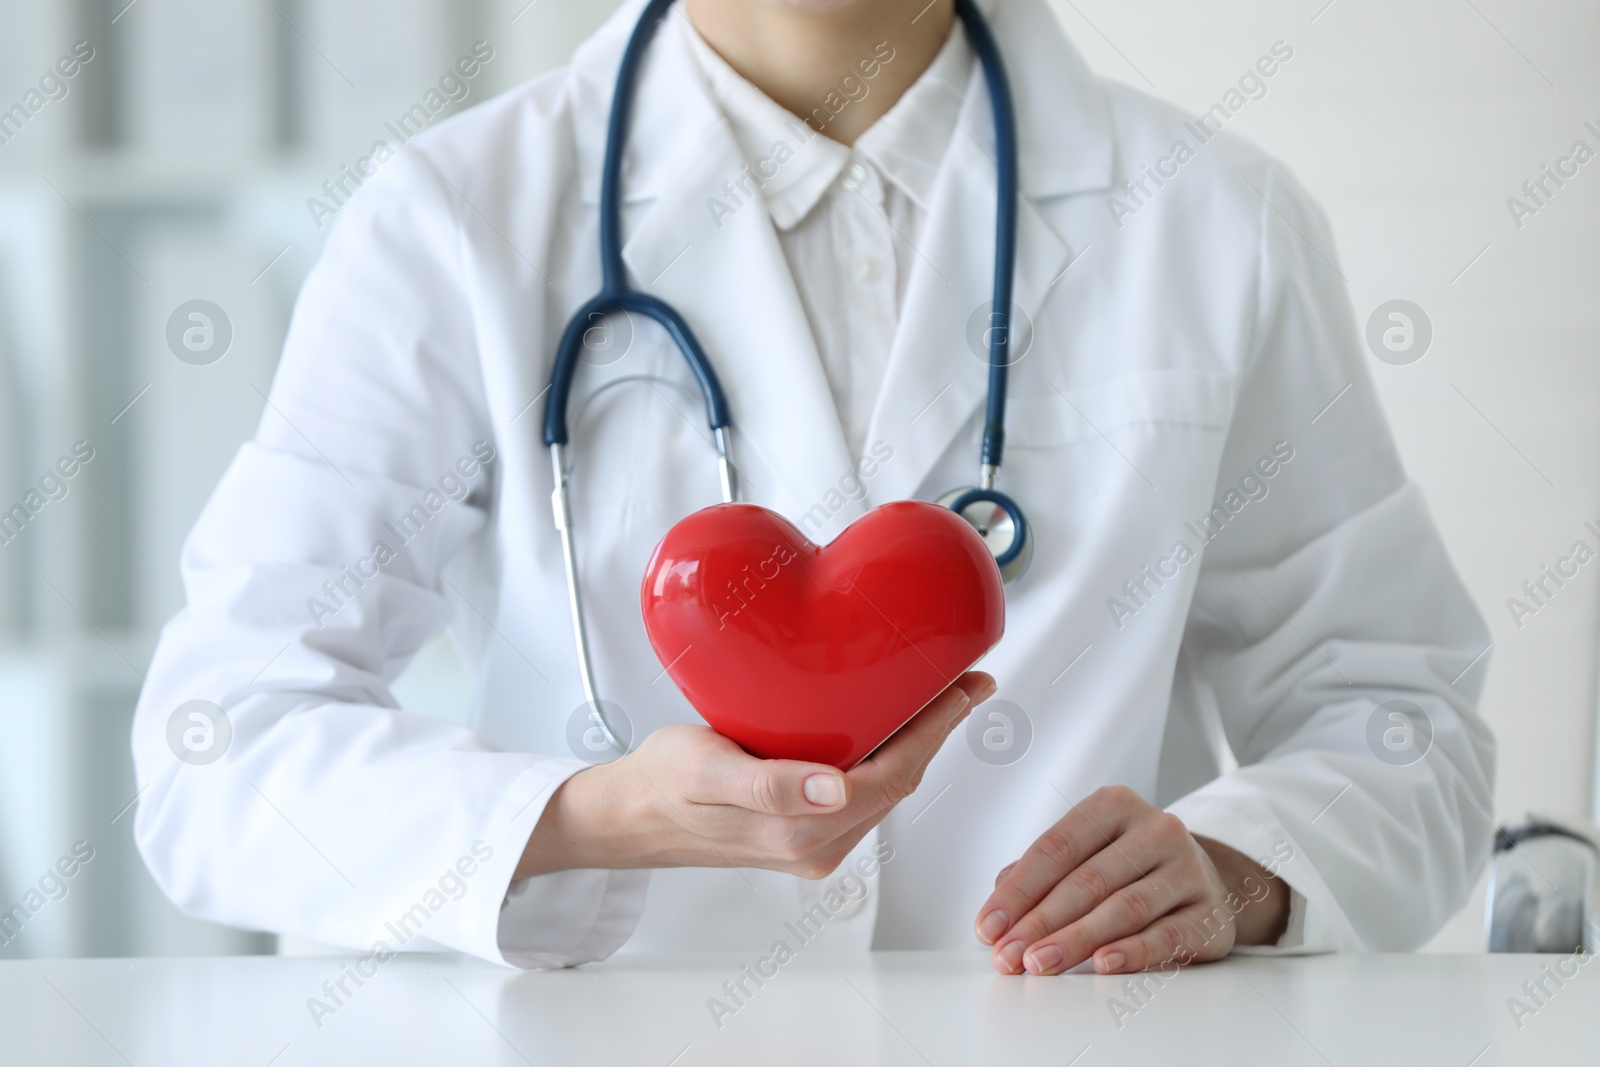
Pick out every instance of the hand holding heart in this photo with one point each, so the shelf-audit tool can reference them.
(805, 659)
(689, 797)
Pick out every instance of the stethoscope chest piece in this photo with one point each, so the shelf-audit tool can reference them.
(1001, 524)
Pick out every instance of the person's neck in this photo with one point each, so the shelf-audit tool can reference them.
(800, 59)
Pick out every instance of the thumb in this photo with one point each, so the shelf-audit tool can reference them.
(778, 787)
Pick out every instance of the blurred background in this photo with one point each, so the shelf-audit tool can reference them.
(185, 159)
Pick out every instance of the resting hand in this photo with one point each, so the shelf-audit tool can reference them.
(1121, 881)
(689, 797)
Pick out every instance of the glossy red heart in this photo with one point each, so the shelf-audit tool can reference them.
(819, 653)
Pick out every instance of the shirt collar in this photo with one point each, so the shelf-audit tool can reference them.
(794, 166)
(1064, 119)
(909, 142)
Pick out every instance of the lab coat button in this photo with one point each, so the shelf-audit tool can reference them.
(869, 270)
(854, 175)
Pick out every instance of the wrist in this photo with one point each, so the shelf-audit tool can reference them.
(1262, 900)
(571, 832)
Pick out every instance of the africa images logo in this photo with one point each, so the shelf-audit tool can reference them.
(1137, 191)
(1253, 486)
(54, 485)
(449, 888)
(742, 189)
(455, 85)
(850, 888)
(55, 84)
(53, 885)
(454, 486)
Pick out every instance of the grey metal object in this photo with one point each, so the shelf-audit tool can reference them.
(997, 528)
(1542, 893)
(561, 508)
(725, 471)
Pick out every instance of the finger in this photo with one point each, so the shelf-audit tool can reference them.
(978, 685)
(1194, 934)
(727, 774)
(867, 809)
(911, 747)
(1128, 911)
(1003, 872)
(926, 730)
(1084, 888)
(1097, 820)
(894, 771)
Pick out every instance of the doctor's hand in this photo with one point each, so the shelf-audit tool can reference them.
(1125, 883)
(689, 797)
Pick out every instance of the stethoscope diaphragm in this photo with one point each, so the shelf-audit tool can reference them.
(1001, 524)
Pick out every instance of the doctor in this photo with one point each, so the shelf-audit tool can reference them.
(1236, 695)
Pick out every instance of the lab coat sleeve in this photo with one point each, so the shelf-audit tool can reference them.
(314, 575)
(1317, 604)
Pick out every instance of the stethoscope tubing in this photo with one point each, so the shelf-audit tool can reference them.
(569, 354)
(616, 297)
(1005, 228)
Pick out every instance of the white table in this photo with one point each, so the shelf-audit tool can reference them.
(889, 1008)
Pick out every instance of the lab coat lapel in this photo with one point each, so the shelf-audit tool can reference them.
(938, 368)
(727, 274)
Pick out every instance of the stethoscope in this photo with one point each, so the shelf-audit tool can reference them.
(995, 516)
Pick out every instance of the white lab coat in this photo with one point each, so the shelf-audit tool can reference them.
(1170, 356)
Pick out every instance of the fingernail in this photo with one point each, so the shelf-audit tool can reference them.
(1110, 963)
(961, 707)
(824, 790)
(990, 689)
(1011, 956)
(993, 925)
(1046, 960)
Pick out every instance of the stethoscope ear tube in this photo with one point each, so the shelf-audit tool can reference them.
(615, 296)
(1005, 226)
(569, 356)
(1014, 558)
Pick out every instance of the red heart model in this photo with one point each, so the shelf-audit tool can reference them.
(807, 653)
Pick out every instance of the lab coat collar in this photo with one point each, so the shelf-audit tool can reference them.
(681, 150)
(938, 369)
(669, 117)
(1063, 115)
